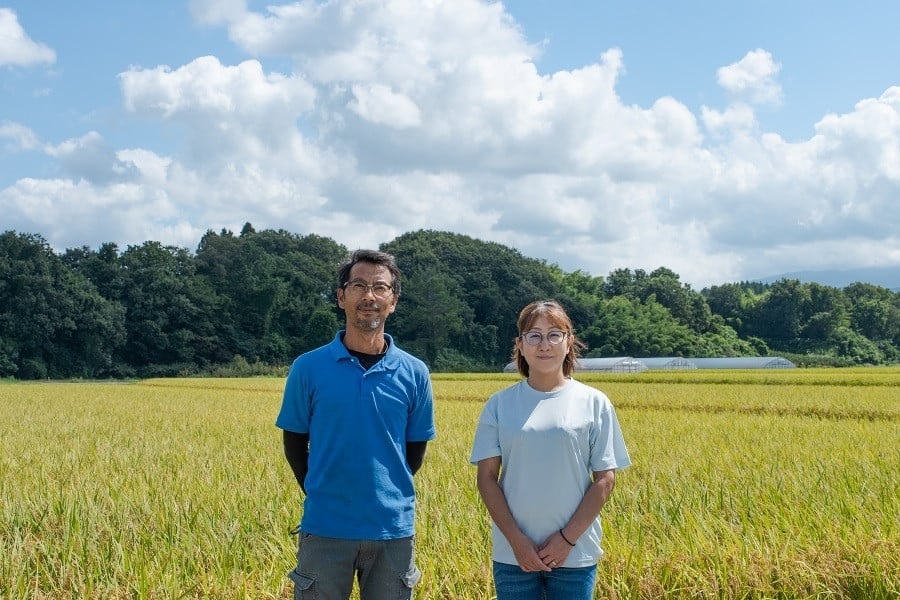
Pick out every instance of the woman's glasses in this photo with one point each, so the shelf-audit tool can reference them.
(534, 338)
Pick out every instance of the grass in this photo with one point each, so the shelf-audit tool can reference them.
(744, 485)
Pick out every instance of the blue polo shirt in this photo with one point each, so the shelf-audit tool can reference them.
(359, 485)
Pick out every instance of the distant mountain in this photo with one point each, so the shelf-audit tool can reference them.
(888, 277)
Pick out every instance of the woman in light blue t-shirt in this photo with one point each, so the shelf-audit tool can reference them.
(547, 449)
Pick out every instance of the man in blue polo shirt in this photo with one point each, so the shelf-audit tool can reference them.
(357, 414)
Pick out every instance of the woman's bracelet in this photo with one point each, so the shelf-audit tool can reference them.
(565, 538)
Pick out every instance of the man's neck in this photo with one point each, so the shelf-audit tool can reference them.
(366, 342)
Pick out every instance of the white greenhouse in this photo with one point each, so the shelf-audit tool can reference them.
(744, 362)
(627, 364)
(618, 364)
(668, 363)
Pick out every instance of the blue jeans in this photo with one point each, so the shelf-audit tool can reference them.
(512, 583)
(384, 569)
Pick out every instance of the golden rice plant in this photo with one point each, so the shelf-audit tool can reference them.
(744, 485)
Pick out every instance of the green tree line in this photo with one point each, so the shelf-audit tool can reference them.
(263, 297)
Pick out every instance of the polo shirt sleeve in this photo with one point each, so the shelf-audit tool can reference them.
(420, 426)
(294, 414)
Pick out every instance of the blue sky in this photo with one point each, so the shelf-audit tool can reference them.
(725, 141)
(833, 53)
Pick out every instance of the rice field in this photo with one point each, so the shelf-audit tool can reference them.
(745, 484)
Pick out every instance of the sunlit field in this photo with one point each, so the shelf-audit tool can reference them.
(745, 484)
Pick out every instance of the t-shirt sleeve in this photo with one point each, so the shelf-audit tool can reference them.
(294, 413)
(487, 434)
(608, 449)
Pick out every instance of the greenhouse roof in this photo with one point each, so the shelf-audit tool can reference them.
(628, 364)
(744, 362)
(616, 364)
(668, 362)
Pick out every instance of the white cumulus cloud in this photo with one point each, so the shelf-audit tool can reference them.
(399, 115)
(17, 48)
(380, 105)
(753, 78)
(18, 137)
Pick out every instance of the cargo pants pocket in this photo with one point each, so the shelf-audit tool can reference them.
(304, 586)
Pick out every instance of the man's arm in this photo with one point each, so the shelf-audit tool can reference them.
(415, 455)
(296, 450)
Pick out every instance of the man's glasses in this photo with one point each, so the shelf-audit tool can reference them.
(358, 287)
(534, 338)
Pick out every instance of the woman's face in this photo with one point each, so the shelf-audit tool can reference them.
(545, 357)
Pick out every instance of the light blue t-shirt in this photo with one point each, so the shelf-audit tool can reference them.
(549, 444)
(359, 485)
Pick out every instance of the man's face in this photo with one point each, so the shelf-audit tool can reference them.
(366, 310)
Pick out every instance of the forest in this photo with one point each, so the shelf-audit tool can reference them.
(249, 303)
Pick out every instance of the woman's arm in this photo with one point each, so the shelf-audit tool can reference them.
(590, 506)
(523, 547)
